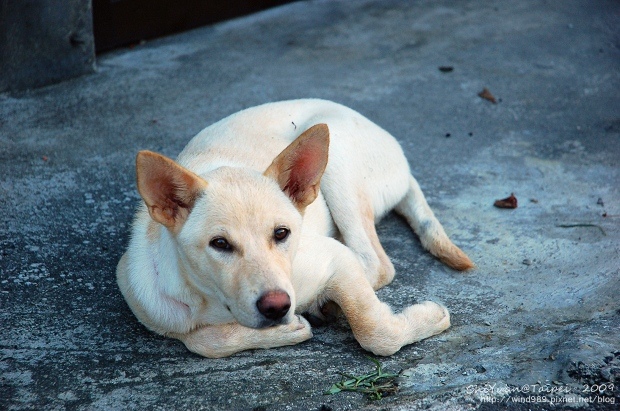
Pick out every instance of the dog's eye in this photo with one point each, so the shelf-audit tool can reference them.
(220, 243)
(281, 233)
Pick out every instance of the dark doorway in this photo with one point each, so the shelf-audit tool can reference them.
(118, 23)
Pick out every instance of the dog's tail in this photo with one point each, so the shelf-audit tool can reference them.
(432, 235)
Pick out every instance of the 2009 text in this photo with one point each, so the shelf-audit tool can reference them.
(598, 388)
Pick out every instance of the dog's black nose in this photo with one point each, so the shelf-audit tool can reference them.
(274, 304)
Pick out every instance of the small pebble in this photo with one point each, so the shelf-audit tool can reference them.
(527, 261)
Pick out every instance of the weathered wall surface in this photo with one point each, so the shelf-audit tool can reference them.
(44, 41)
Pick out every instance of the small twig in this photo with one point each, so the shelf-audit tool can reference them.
(582, 225)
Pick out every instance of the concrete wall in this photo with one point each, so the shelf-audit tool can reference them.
(44, 41)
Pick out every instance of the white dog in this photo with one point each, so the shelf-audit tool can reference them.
(236, 236)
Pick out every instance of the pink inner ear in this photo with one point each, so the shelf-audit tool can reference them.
(168, 189)
(162, 190)
(303, 172)
(298, 169)
(168, 199)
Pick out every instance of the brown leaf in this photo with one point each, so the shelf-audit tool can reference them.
(508, 202)
(486, 94)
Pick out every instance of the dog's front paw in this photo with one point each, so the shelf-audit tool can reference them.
(427, 318)
(438, 315)
(298, 329)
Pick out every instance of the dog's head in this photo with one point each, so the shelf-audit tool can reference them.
(236, 231)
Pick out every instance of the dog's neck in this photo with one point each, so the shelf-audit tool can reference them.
(165, 266)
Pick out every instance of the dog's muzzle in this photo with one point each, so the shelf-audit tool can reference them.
(274, 305)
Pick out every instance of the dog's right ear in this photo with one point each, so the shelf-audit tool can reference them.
(168, 189)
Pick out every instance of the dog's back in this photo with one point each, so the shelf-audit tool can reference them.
(360, 153)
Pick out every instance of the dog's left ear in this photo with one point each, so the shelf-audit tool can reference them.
(299, 168)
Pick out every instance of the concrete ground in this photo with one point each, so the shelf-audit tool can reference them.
(537, 321)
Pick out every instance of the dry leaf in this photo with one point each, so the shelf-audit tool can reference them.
(486, 94)
(508, 202)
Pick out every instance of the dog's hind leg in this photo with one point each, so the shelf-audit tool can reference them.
(365, 178)
(361, 236)
(353, 214)
(420, 217)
